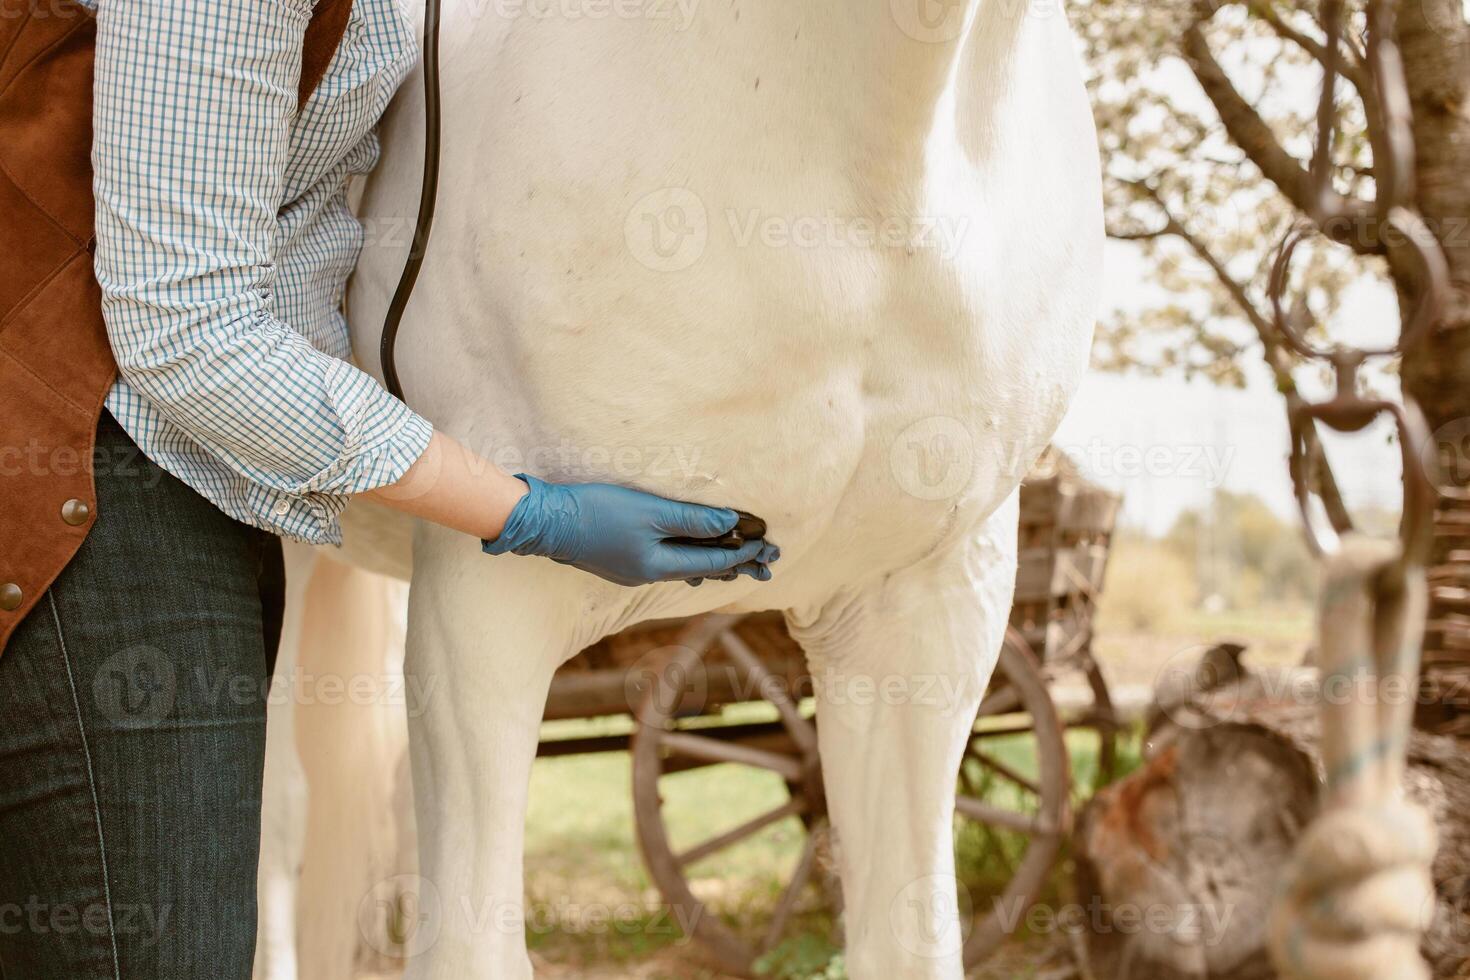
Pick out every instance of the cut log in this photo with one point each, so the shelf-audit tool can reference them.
(1178, 864)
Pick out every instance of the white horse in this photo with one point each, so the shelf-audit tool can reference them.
(833, 262)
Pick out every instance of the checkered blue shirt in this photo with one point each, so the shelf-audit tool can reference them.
(224, 243)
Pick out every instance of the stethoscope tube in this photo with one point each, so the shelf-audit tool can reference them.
(427, 199)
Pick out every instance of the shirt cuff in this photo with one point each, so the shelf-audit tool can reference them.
(381, 436)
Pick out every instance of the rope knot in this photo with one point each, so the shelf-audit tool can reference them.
(1356, 896)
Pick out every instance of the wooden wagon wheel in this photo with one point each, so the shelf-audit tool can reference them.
(1101, 719)
(1098, 717)
(662, 747)
(1042, 813)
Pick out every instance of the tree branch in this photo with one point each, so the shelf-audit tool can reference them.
(1349, 64)
(1255, 139)
(1138, 236)
(1275, 354)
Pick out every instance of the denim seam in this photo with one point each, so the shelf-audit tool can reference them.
(91, 784)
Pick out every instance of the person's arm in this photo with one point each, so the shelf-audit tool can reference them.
(194, 104)
(452, 486)
(620, 534)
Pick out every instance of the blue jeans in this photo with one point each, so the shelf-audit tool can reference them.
(132, 741)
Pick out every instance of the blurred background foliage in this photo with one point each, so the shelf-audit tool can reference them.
(1185, 189)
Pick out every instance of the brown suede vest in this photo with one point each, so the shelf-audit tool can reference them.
(56, 365)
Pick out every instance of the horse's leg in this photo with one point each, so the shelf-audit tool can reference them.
(900, 667)
(350, 731)
(284, 796)
(487, 634)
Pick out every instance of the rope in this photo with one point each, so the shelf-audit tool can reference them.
(1359, 889)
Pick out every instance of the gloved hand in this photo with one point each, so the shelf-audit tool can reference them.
(622, 534)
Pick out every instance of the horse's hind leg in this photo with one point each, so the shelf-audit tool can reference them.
(900, 667)
(284, 795)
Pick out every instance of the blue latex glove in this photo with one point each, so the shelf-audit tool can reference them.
(621, 534)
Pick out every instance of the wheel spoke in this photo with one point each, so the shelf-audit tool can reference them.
(986, 813)
(717, 750)
(1001, 701)
(772, 690)
(793, 890)
(1059, 662)
(736, 834)
(1003, 770)
(666, 692)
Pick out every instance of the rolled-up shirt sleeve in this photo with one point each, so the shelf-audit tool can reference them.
(194, 105)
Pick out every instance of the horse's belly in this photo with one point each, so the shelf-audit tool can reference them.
(865, 404)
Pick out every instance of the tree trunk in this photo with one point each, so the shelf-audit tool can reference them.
(1435, 41)
(1178, 864)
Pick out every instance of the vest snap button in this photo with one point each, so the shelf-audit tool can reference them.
(75, 512)
(10, 596)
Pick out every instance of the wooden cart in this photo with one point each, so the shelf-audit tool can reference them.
(723, 690)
